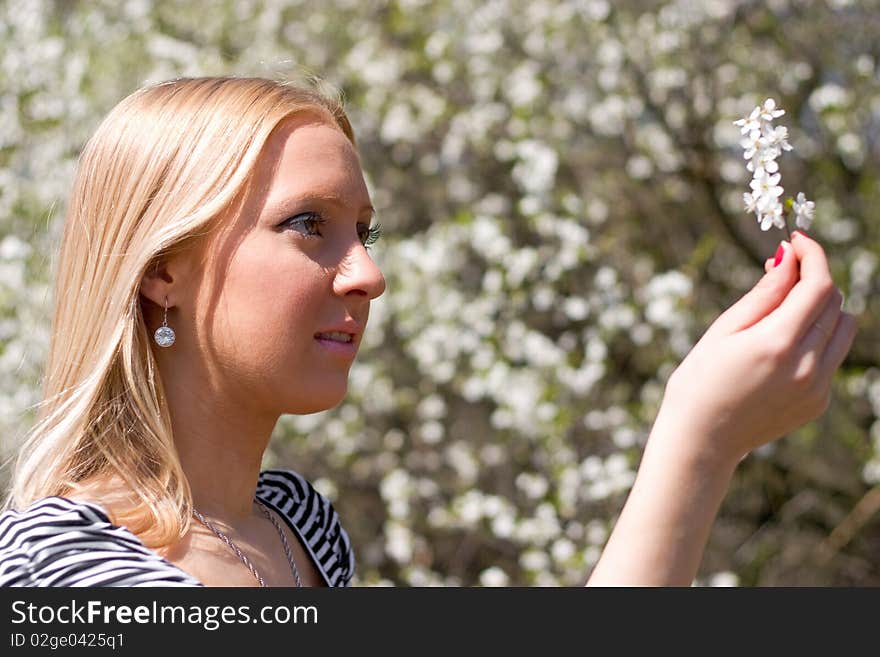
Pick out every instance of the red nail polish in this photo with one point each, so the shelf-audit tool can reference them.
(780, 254)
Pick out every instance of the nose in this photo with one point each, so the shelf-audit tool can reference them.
(358, 274)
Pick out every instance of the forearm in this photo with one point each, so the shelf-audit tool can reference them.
(662, 531)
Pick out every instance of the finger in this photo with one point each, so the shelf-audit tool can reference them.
(811, 293)
(768, 265)
(821, 331)
(839, 344)
(763, 298)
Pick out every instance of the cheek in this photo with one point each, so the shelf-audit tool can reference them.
(268, 304)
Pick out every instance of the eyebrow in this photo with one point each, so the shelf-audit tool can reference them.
(289, 205)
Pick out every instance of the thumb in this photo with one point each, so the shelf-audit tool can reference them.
(764, 297)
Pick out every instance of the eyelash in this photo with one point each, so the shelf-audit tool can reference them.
(311, 222)
(373, 234)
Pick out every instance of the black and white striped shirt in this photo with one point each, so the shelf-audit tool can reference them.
(60, 542)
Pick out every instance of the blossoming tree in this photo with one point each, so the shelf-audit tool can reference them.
(563, 184)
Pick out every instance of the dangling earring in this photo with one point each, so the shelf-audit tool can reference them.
(164, 335)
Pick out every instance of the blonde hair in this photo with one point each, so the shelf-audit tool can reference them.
(161, 168)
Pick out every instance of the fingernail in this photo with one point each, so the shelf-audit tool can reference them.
(799, 232)
(780, 254)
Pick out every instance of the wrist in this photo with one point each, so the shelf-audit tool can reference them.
(665, 523)
(690, 448)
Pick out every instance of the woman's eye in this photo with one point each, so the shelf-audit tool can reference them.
(368, 234)
(308, 223)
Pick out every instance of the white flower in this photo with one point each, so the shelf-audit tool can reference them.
(751, 123)
(761, 154)
(12, 248)
(723, 579)
(534, 560)
(536, 169)
(772, 216)
(494, 576)
(762, 143)
(533, 485)
(768, 110)
(751, 145)
(777, 136)
(770, 166)
(803, 211)
(766, 185)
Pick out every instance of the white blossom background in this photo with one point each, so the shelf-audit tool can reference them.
(560, 190)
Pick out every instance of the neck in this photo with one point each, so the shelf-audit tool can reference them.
(220, 446)
(222, 477)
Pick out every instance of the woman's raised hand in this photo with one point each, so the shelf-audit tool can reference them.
(762, 369)
(765, 366)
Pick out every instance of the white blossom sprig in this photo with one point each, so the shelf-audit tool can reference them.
(762, 144)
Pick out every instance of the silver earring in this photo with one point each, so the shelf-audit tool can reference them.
(164, 335)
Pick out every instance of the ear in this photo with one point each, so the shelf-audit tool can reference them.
(160, 282)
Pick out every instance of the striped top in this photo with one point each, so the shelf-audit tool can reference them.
(60, 542)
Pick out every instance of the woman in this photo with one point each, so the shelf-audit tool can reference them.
(214, 274)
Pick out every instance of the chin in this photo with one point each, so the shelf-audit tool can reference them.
(320, 400)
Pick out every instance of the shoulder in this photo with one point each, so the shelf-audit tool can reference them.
(312, 515)
(61, 542)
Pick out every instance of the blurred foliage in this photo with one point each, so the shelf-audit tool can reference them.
(560, 187)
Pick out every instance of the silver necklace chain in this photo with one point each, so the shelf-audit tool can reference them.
(241, 555)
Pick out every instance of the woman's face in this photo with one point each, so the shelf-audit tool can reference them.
(286, 289)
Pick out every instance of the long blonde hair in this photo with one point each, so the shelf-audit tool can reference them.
(161, 168)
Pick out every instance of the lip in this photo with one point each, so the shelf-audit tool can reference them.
(346, 349)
